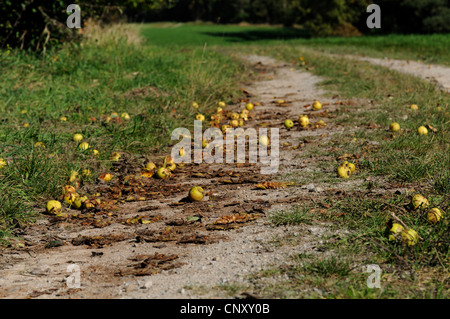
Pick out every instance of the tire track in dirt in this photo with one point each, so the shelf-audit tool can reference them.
(182, 245)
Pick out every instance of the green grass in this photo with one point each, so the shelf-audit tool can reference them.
(292, 216)
(199, 35)
(427, 48)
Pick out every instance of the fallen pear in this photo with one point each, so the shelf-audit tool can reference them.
(409, 236)
(79, 201)
(394, 127)
(77, 137)
(73, 176)
(86, 172)
(343, 171)
(115, 156)
(264, 140)
(303, 120)
(196, 194)
(54, 207)
(288, 124)
(172, 167)
(70, 197)
(422, 130)
(434, 215)
(317, 105)
(200, 117)
(84, 146)
(351, 166)
(150, 166)
(394, 231)
(69, 189)
(106, 177)
(419, 201)
(2, 163)
(162, 173)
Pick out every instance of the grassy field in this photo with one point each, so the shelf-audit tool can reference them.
(427, 48)
(155, 79)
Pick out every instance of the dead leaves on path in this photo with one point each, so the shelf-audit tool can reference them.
(232, 221)
(98, 241)
(146, 265)
(273, 185)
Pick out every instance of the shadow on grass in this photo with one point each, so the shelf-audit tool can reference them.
(260, 35)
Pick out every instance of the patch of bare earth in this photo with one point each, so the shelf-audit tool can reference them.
(147, 241)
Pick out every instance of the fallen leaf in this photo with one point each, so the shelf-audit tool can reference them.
(148, 174)
(432, 128)
(272, 185)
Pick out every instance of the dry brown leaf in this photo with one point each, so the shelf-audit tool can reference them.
(273, 185)
(148, 174)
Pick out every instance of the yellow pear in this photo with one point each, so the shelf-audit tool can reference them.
(163, 173)
(317, 105)
(77, 137)
(84, 146)
(434, 215)
(288, 124)
(343, 171)
(395, 127)
(409, 236)
(394, 231)
(264, 140)
(303, 121)
(422, 130)
(196, 194)
(419, 201)
(53, 207)
(200, 117)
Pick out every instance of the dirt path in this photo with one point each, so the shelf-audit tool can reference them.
(437, 74)
(184, 250)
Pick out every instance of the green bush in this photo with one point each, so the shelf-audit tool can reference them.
(34, 24)
(39, 24)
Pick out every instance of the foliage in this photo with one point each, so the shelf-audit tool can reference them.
(38, 24)
(333, 17)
